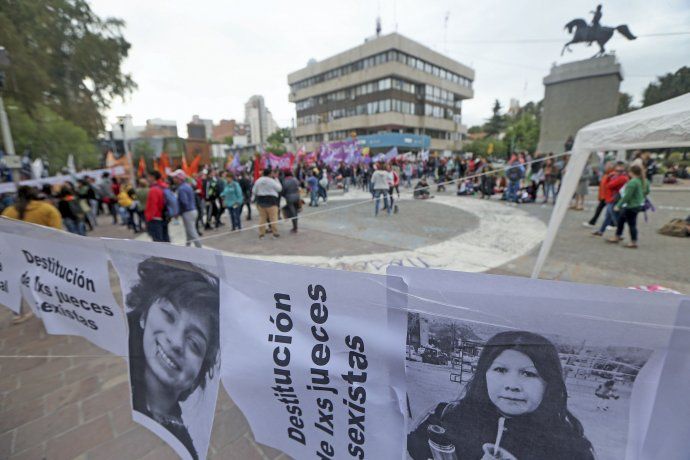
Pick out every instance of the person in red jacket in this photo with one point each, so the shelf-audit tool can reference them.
(156, 224)
(603, 183)
(614, 183)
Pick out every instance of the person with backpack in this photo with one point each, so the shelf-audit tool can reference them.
(156, 213)
(188, 210)
(73, 215)
(233, 199)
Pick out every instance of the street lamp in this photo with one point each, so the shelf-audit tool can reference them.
(121, 122)
(12, 161)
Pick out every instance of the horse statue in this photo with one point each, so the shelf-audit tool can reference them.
(596, 33)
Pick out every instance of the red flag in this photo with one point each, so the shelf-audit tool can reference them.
(141, 170)
(155, 164)
(257, 168)
(185, 168)
(164, 165)
(194, 167)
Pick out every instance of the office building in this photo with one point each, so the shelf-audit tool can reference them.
(260, 120)
(389, 84)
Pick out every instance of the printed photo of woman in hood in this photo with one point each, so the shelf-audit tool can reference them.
(514, 407)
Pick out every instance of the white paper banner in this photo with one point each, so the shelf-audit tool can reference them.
(561, 370)
(171, 299)
(314, 359)
(10, 294)
(65, 280)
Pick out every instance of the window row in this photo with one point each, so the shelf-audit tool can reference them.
(370, 108)
(356, 91)
(382, 58)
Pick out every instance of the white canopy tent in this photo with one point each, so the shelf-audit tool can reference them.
(663, 125)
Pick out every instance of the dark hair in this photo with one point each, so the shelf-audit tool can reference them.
(25, 194)
(267, 172)
(185, 286)
(636, 170)
(552, 413)
(155, 174)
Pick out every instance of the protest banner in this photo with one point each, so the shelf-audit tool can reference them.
(543, 369)
(314, 359)
(10, 294)
(64, 278)
(171, 298)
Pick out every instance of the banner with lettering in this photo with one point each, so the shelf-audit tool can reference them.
(66, 282)
(171, 300)
(10, 294)
(314, 359)
(512, 368)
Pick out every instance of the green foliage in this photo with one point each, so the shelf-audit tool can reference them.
(228, 140)
(475, 130)
(64, 57)
(143, 149)
(276, 149)
(497, 123)
(625, 103)
(667, 86)
(279, 136)
(481, 147)
(47, 135)
(523, 133)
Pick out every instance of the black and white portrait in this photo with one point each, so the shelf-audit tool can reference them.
(487, 392)
(174, 357)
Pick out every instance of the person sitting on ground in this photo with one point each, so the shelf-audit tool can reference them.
(421, 190)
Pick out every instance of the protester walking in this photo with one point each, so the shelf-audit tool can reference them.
(292, 199)
(246, 185)
(266, 192)
(188, 210)
(380, 186)
(601, 205)
(156, 219)
(630, 204)
(233, 200)
(73, 215)
(614, 182)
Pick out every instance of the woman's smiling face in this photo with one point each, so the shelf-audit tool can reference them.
(175, 343)
(514, 384)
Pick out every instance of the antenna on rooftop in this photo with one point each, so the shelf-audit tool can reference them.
(445, 32)
(378, 26)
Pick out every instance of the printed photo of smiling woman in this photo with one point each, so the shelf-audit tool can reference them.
(172, 313)
(515, 407)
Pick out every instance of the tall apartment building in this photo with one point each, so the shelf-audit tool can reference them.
(259, 119)
(388, 84)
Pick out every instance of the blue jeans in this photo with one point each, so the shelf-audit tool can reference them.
(75, 226)
(610, 217)
(346, 184)
(158, 230)
(234, 212)
(513, 188)
(377, 197)
(547, 188)
(314, 201)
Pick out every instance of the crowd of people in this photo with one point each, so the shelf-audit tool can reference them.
(199, 201)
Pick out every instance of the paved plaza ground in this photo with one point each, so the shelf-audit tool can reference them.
(62, 398)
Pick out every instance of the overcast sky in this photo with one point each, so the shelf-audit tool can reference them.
(207, 57)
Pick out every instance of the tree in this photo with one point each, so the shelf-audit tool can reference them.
(481, 147)
(497, 122)
(625, 103)
(228, 140)
(47, 135)
(667, 86)
(279, 136)
(523, 133)
(64, 57)
(474, 130)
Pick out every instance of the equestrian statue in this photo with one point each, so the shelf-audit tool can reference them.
(594, 32)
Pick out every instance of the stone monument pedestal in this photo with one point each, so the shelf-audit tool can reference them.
(576, 94)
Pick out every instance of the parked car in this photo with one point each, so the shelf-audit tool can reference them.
(434, 356)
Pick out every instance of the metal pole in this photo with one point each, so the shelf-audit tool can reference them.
(132, 179)
(11, 160)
